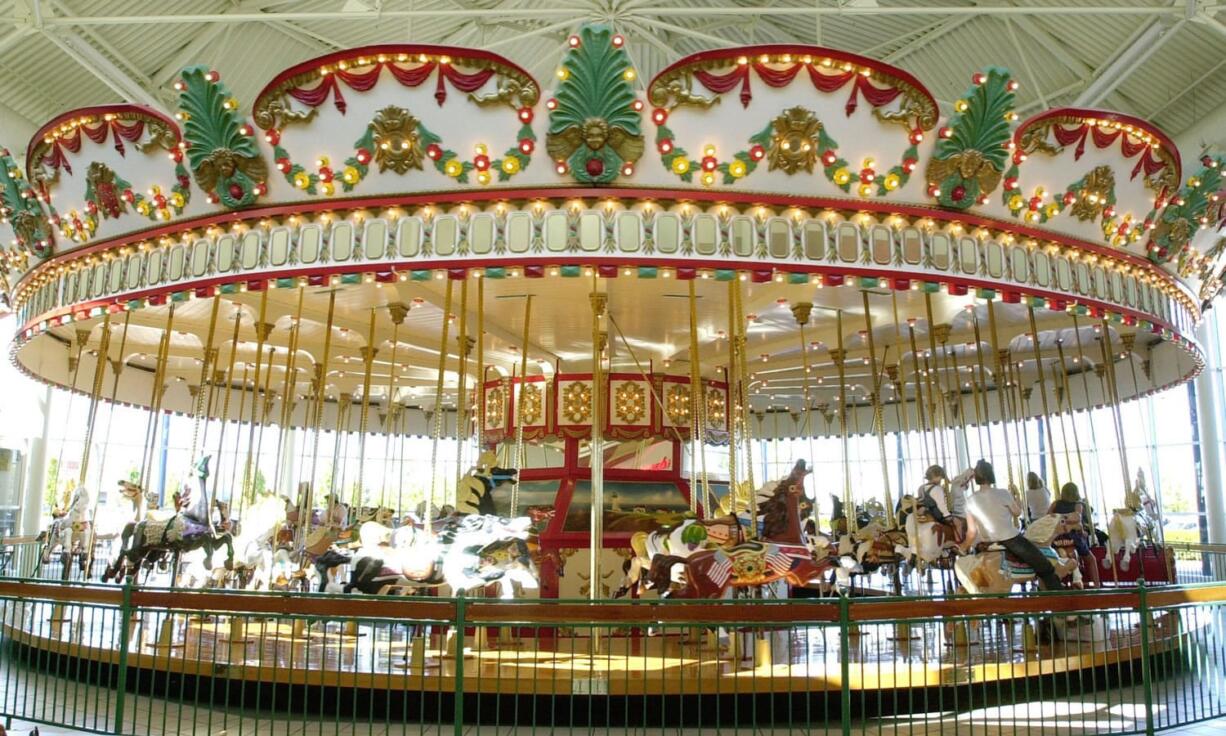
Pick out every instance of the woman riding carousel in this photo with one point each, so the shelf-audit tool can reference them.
(1070, 502)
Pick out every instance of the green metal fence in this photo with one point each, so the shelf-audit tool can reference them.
(108, 659)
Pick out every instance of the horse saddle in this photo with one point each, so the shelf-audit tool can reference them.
(1015, 567)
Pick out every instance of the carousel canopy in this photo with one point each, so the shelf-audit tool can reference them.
(325, 235)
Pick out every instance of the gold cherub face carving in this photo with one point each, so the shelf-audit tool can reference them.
(397, 143)
(795, 143)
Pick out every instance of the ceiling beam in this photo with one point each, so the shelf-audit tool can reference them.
(190, 52)
(704, 11)
(1166, 104)
(1208, 132)
(82, 52)
(1151, 37)
(920, 42)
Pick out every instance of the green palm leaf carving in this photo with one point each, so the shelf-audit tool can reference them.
(967, 164)
(594, 127)
(20, 206)
(227, 163)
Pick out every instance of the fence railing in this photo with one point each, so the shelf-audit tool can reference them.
(112, 659)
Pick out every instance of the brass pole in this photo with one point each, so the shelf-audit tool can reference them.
(156, 394)
(520, 457)
(369, 351)
(839, 356)
(801, 311)
(1002, 388)
(262, 331)
(104, 347)
(480, 399)
(730, 377)
(321, 390)
(221, 433)
(697, 430)
(461, 404)
(1038, 359)
(599, 302)
(438, 411)
(209, 357)
(878, 417)
(1109, 361)
(289, 388)
(397, 312)
(743, 395)
(927, 417)
(1068, 393)
(983, 394)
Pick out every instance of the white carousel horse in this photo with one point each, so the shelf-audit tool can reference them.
(253, 547)
(993, 571)
(874, 545)
(930, 544)
(1130, 525)
(466, 553)
(69, 530)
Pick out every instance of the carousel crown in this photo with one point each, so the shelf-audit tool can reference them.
(786, 163)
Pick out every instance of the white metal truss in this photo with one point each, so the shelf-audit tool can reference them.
(100, 42)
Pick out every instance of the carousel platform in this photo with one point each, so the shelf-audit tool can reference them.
(624, 664)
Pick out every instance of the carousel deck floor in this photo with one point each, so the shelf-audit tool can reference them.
(558, 660)
(1122, 712)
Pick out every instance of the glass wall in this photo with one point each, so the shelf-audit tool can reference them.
(1158, 438)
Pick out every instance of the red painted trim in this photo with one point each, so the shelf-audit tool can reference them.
(1087, 112)
(802, 50)
(582, 260)
(92, 110)
(683, 196)
(390, 49)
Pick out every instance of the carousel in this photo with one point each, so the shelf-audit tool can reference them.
(575, 319)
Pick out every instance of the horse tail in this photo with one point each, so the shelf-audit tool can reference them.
(638, 543)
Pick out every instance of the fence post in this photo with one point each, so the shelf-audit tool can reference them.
(459, 664)
(845, 664)
(1146, 684)
(125, 635)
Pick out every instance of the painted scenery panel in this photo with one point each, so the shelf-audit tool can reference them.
(628, 506)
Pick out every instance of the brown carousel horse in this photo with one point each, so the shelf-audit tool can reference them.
(783, 553)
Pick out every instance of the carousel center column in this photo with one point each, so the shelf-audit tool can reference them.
(1209, 420)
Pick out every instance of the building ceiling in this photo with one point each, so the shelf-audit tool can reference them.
(1162, 61)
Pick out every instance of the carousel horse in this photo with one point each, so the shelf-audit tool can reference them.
(1130, 525)
(464, 551)
(871, 547)
(69, 531)
(691, 535)
(783, 553)
(678, 541)
(253, 543)
(467, 553)
(994, 571)
(189, 529)
(930, 543)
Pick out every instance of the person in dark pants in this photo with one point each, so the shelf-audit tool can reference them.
(992, 518)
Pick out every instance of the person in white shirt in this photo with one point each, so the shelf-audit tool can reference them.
(992, 518)
(1038, 498)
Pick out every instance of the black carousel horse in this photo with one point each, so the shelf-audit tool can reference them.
(188, 530)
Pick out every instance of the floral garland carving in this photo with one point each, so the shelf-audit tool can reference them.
(794, 141)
